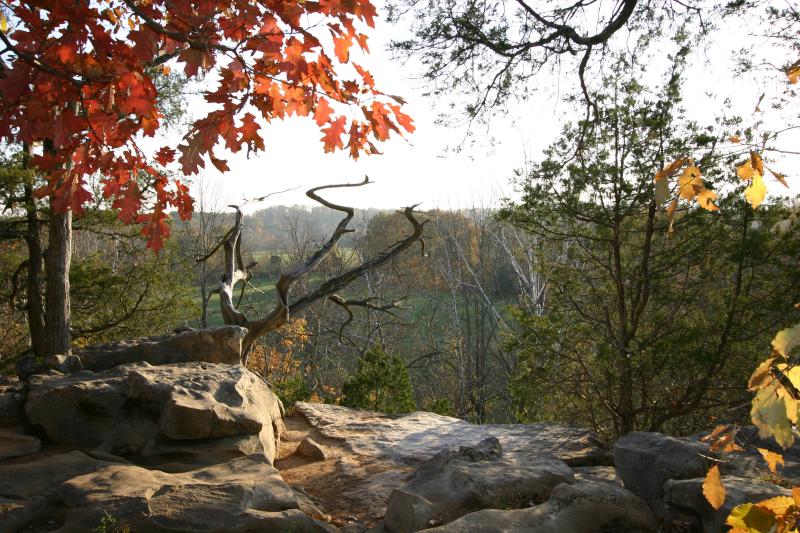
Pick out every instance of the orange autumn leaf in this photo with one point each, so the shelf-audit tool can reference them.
(273, 74)
(713, 489)
(772, 459)
(706, 199)
(780, 177)
(688, 181)
(670, 170)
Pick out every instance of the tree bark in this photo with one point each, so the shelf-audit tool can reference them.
(58, 259)
(33, 293)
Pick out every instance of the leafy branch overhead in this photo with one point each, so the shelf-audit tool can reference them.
(79, 78)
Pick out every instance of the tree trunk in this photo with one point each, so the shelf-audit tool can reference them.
(58, 258)
(33, 291)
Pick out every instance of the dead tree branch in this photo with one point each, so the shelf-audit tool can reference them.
(236, 271)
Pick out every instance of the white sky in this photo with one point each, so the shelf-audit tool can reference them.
(420, 169)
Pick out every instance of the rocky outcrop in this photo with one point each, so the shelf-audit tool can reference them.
(687, 495)
(421, 468)
(16, 444)
(10, 401)
(407, 512)
(668, 473)
(469, 478)
(645, 461)
(193, 413)
(585, 507)
(215, 345)
(415, 437)
(76, 492)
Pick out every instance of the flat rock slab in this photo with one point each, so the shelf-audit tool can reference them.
(417, 436)
(687, 494)
(15, 444)
(214, 345)
(179, 411)
(583, 507)
(75, 492)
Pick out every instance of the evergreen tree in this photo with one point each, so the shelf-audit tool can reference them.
(380, 384)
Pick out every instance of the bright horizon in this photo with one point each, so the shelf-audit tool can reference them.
(420, 169)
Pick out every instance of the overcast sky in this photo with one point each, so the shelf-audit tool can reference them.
(421, 168)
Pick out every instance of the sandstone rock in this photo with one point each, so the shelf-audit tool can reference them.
(15, 444)
(310, 448)
(25, 480)
(27, 490)
(160, 412)
(687, 494)
(458, 481)
(583, 507)
(75, 492)
(414, 437)
(407, 513)
(215, 345)
(597, 473)
(645, 461)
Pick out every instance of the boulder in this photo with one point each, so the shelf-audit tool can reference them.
(459, 481)
(28, 490)
(687, 494)
(15, 444)
(407, 513)
(582, 507)
(182, 413)
(645, 461)
(310, 448)
(78, 493)
(597, 473)
(415, 437)
(10, 401)
(215, 345)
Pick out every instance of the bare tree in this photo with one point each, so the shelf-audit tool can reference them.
(237, 272)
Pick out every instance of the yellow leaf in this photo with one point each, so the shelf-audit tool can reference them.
(131, 24)
(756, 191)
(735, 139)
(786, 340)
(713, 489)
(761, 376)
(3, 23)
(793, 374)
(796, 495)
(688, 181)
(769, 414)
(745, 170)
(772, 459)
(778, 505)
(749, 518)
(706, 199)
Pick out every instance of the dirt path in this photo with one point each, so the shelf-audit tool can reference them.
(334, 484)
